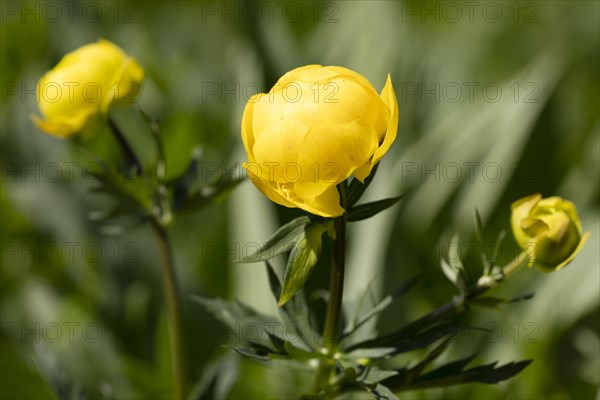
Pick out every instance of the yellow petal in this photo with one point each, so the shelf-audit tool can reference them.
(83, 84)
(266, 188)
(331, 153)
(558, 225)
(534, 227)
(389, 98)
(520, 210)
(62, 129)
(125, 84)
(574, 253)
(276, 149)
(326, 204)
(247, 130)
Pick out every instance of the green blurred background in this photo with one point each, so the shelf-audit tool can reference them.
(497, 100)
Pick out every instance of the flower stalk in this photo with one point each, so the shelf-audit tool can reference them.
(484, 284)
(173, 300)
(331, 329)
(130, 157)
(159, 223)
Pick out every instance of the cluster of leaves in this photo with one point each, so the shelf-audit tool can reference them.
(363, 361)
(356, 362)
(302, 237)
(143, 191)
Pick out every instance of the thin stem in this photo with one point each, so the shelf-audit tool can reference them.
(331, 329)
(482, 286)
(173, 308)
(130, 157)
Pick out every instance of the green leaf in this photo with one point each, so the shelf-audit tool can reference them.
(454, 374)
(370, 353)
(385, 303)
(373, 375)
(239, 317)
(295, 311)
(197, 199)
(187, 183)
(302, 259)
(454, 256)
(496, 302)
(454, 268)
(432, 356)
(451, 273)
(356, 188)
(157, 136)
(478, 226)
(252, 353)
(113, 182)
(382, 392)
(283, 240)
(368, 210)
(300, 354)
(218, 378)
(415, 335)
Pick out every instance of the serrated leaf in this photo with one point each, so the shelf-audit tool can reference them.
(156, 135)
(495, 302)
(449, 271)
(373, 375)
(252, 354)
(453, 268)
(113, 182)
(217, 378)
(364, 211)
(499, 240)
(432, 356)
(451, 368)
(187, 183)
(300, 354)
(277, 341)
(295, 311)
(370, 353)
(382, 392)
(478, 226)
(454, 256)
(490, 374)
(357, 188)
(302, 259)
(246, 325)
(385, 303)
(415, 335)
(454, 374)
(209, 194)
(283, 240)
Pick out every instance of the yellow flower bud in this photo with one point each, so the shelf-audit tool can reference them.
(549, 229)
(83, 84)
(314, 129)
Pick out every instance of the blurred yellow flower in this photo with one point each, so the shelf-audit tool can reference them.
(549, 228)
(83, 84)
(314, 129)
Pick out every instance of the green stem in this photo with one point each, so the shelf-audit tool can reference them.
(482, 286)
(130, 157)
(173, 308)
(331, 329)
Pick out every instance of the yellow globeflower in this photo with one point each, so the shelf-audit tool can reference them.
(314, 129)
(549, 228)
(83, 84)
